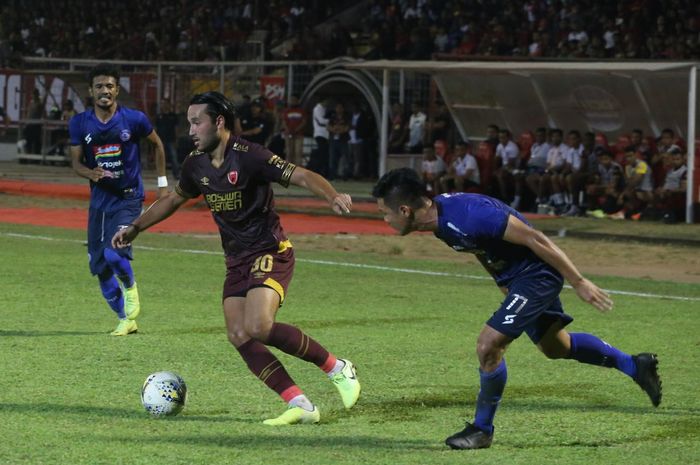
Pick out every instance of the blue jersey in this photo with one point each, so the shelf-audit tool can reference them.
(475, 223)
(114, 146)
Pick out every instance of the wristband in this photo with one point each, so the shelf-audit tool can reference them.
(138, 230)
(162, 181)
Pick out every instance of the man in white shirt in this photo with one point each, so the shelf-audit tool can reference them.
(537, 164)
(573, 185)
(463, 172)
(553, 177)
(508, 160)
(319, 157)
(416, 129)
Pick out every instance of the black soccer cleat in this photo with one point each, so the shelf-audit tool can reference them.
(470, 437)
(648, 377)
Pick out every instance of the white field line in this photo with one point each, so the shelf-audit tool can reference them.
(354, 265)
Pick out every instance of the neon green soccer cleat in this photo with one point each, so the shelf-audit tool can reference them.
(347, 384)
(132, 306)
(295, 415)
(125, 327)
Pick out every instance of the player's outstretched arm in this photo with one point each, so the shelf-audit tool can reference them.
(159, 156)
(160, 210)
(518, 232)
(340, 203)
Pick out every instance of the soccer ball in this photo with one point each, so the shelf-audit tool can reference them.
(164, 393)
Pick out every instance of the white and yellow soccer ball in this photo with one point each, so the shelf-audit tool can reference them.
(164, 394)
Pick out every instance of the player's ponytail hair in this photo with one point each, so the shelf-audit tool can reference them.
(217, 104)
(402, 186)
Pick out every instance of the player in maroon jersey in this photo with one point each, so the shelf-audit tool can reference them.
(234, 177)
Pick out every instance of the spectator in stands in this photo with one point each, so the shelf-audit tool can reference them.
(5, 120)
(439, 127)
(463, 173)
(242, 116)
(536, 165)
(259, 127)
(32, 131)
(359, 129)
(492, 136)
(339, 131)
(508, 165)
(666, 140)
(670, 198)
(553, 175)
(166, 127)
(416, 129)
(398, 133)
(432, 169)
(319, 156)
(641, 145)
(293, 125)
(576, 172)
(61, 135)
(638, 186)
(605, 186)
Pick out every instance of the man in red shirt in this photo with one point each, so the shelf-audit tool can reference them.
(294, 123)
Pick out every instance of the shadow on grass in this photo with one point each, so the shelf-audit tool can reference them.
(109, 412)
(315, 324)
(559, 397)
(20, 333)
(283, 439)
(362, 322)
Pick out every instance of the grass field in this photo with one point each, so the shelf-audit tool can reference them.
(69, 393)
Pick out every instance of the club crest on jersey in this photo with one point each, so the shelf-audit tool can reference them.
(204, 181)
(125, 135)
(232, 177)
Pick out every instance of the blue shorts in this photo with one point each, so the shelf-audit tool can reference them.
(101, 228)
(531, 306)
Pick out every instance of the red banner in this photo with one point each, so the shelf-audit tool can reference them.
(273, 89)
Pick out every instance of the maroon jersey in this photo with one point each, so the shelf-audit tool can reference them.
(239, 194)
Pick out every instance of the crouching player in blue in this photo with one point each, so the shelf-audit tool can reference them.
(530, 270)
(105, 149)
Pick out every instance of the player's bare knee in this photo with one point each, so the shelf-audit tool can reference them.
(489, 354)
(237, 336)
(258, 329)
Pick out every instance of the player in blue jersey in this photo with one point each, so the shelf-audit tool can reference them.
(530, 270)
(105, 149)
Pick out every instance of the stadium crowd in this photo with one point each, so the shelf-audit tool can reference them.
(152, 29)
(395, 29)
(630, 29)
(570, 174)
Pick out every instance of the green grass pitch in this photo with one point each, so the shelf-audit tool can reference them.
(69, 393)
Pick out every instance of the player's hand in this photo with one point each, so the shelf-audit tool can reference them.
(162, 192)
(589, 292)
(342, 203)
(98, 173)
(124, 236)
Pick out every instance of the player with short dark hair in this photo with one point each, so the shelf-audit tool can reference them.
(105, 149)
(530, 270)
(234, 176)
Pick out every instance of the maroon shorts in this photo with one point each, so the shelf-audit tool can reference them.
(273, 269)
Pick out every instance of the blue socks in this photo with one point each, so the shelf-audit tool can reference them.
(121, 267)
(587, 348)
(492, 386)
(113, 295)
